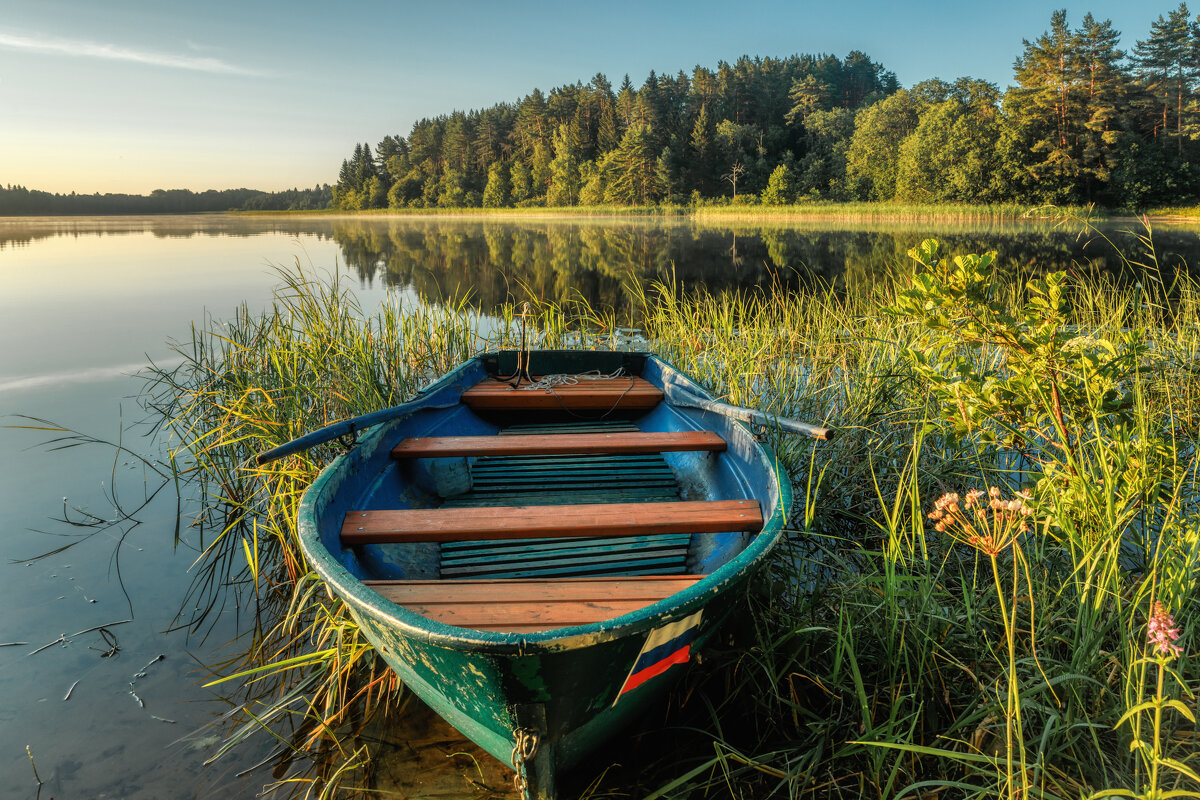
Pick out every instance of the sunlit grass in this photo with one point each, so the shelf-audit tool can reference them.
(883, 659)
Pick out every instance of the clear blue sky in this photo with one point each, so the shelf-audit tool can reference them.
(134, 95)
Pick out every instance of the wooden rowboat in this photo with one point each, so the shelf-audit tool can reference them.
(536, 560)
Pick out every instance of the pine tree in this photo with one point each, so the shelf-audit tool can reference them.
(634, 171)
(626, 98)
(564, 169)
(807, 95)
(1106, 95)
(608, 136)
(1167, 65)
(1046, 113)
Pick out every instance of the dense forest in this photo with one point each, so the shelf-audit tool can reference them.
(16, 200)
(1084, 122)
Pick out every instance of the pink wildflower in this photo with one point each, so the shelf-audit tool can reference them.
(1162, 632)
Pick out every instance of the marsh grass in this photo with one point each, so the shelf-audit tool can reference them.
(885, 659)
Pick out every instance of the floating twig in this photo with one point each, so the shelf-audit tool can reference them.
(98, 627)
(62, 639)
(67, 696)
(162, 719)
(133, 694)
(12, 644)
(141, 673)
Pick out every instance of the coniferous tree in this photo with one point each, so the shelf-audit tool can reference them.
(626, 99)
(1167, 65)
(634, 178)
(807, 95)
(565, 180)
(1045, 113)
(1106, 94)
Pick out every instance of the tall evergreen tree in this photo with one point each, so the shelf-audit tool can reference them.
(1045, 112)
(635, 169)
(1106, 94)
(565, 180)
(1168, 67)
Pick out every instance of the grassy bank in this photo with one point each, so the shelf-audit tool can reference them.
(913, 639)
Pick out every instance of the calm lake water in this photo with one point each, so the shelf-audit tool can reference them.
(86, 302)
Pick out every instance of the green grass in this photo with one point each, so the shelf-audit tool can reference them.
(1190, 213)
(885, 659)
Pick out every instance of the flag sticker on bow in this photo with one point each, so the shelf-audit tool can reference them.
(664, 647)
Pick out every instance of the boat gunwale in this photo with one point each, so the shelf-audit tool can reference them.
(361, 599)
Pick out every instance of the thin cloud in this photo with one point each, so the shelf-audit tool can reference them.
(84, 49)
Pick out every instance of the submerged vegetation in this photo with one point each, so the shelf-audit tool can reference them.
(992, 586)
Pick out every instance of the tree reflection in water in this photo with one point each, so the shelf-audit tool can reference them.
(494, 262)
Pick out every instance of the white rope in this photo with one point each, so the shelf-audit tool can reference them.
(548, 383)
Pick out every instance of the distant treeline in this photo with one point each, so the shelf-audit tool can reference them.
(18, 200)
(1085, 122)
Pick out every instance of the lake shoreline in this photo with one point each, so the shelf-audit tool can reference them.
(816, 213)
(823, 213)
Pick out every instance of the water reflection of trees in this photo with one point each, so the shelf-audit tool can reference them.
(497, 262)
(22, 231)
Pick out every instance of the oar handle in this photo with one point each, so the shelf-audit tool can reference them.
(444, 398)
(681, 397)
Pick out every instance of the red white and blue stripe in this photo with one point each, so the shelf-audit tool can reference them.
(664, 648)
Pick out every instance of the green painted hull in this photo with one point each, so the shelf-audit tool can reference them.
(563, 684)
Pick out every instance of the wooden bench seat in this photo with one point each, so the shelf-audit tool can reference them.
(558, 444)
(528, 522)
(588, 395)
(523, 606)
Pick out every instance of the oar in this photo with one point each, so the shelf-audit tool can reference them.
(445, 397)
(679, 396)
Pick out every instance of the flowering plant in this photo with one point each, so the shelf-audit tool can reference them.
(989, 526)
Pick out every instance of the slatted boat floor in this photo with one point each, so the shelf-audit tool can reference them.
(567, 480)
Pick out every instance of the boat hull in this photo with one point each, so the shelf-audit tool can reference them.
(569, 687)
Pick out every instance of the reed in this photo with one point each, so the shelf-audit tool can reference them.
(887, 658)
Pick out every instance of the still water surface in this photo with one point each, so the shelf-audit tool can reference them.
(86, 302)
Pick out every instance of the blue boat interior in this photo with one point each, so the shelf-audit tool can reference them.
(555, 479)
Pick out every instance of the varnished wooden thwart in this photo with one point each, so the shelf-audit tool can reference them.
(558, 444)
(522, 606)
(527, 522)
(587, 395)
